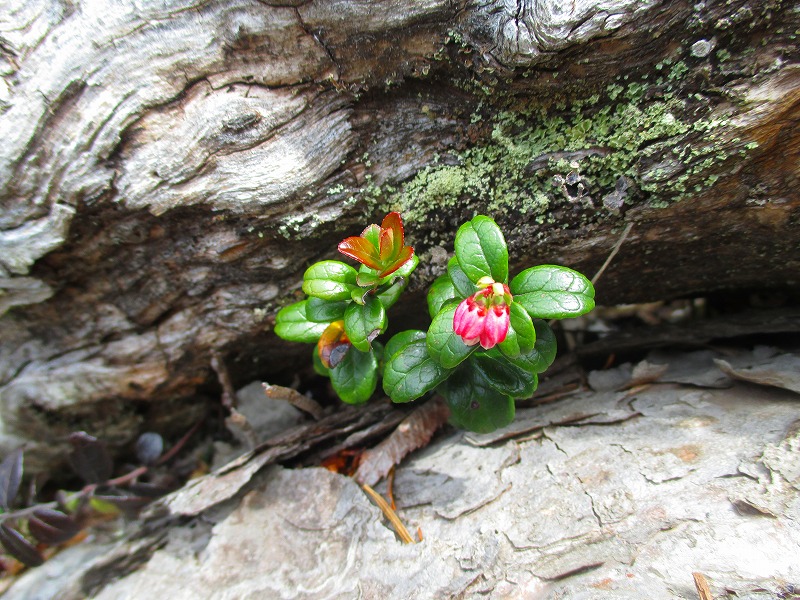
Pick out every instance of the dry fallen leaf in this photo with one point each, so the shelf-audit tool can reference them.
(415, 431)
(781, 371)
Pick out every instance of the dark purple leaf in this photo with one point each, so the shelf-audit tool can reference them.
(149, 447)
(10, 476)
(89, 458)
(18, 547)
(148, 490)
(52, 526)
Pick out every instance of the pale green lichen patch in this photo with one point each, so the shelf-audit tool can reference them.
(662, 145)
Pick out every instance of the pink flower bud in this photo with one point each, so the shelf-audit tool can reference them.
(484, 317)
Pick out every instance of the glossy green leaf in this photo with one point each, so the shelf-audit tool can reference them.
(543, 353)
(367, 278)
(373, 235)
(363, 322)
(521, 333)
(330, 280)
(400, 340)
(462, 284)
(356, 377)
(481, 250)
(359, 294)
(325, 311)
(392, 294)
(291, 323)
(444, 345)
(504, 376)
(411, 372)
(441, 291)
(474, 404)
(552, 292)
(319, 368)
(398, 281)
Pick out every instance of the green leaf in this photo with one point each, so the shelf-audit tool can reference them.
(356, 377)
(291, 323)
(400, 340)
(444, 345)
(543, 353)
(319, 368)
(552, 292)
(392, 294)
(474, 404)
(459, 279)
(441, 291)
(359, 294)
(411, 372)
(367, 279)
(504, 376)
(324, 311)
(363, 322)
(103, 506)
(373, 235)
(521, 333)
(330, 280)
(481, 250)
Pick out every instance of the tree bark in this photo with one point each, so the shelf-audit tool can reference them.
(168, 170)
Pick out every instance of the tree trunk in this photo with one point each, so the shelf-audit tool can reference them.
(169, 169)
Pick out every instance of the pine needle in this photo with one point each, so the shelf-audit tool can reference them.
(614, 251)
(401, 530)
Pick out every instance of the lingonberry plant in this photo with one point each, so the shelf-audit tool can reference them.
(485, 347)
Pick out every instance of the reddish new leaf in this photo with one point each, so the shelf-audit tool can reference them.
(333, 345)
(415, 431)
(18, 547)
(380, 248)
(10, 477)
(391, 235)
(360, 249)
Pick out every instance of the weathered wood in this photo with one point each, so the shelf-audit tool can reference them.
(605, 494)
(168, 170)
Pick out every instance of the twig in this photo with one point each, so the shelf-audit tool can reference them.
(224, 378)
(702, 586)
(235, 422)
(401, 530)
(614, 251)
(295, 398)
(179, 444)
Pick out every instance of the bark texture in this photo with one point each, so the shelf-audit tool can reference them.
(168, 170)
(605, 494)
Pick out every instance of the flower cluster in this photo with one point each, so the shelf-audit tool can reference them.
(484, 316)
